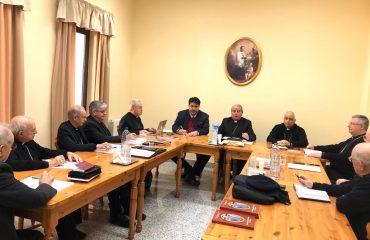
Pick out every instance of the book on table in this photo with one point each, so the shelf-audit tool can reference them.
(83, 166)
(232, 218)
(311, 194)
(241, 206)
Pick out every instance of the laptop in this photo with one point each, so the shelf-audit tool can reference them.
(161, 126)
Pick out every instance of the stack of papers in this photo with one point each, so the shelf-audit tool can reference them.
(33, 182)
(311, 194)
(309, 151)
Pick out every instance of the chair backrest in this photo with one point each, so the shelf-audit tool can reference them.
(368, 230)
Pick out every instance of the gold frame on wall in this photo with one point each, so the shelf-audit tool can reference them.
(241, 59)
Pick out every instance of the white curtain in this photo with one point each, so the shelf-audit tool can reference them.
(86, 16)
(26, 5)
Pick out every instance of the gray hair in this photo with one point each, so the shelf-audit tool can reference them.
(18, 123)
(96, 106)
(133, 104)
(4, 134)
(363, 156)
(238, 106)
(75, 111)
(364, 121)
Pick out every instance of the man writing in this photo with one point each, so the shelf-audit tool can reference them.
(288, 133)
(338, 154)
(29, 154)
(192, 122)
(353, 197)
(16, 195)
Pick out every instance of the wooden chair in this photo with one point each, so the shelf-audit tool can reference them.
(368, 230)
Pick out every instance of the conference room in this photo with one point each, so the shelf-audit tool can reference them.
(313, 60)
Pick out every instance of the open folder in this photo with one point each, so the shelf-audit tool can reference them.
(311, 194)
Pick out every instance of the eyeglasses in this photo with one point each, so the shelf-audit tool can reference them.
(351, 159)
(352, 123)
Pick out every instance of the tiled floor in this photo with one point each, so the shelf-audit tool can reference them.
(170, 218)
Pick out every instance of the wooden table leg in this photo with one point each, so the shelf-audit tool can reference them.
(140, 201)
(133, 207)
(49, 225)
(215, 175)
(178, 175)
(227, 171)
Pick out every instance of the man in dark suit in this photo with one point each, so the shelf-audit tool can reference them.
(16, 195)
(192, 122)
(29, 155)
(353, 197)
(97, 133)
(94, 127)
(237, 127)
(72, 137)
(288, 133)
(338, 154)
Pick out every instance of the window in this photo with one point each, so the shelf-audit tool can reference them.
(81, 66)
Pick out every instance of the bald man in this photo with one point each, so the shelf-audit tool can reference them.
(29, 155)
(353, 197)
(16, 195)
(288, 133)
(71, 136)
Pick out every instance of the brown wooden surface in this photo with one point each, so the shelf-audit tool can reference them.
(303, 219)
(80, 194)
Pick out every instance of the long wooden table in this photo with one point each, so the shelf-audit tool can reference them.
(80, 194)
(303, 219)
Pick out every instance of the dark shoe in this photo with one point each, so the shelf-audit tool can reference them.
(143, 217)
(191, 180)
(80, 235)
(121, 220)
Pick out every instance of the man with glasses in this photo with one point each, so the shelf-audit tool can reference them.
(353, 197)
(96, 132)
(338, 154)
(16, 195)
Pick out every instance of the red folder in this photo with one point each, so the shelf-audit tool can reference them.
(241, 206)
(232, 218)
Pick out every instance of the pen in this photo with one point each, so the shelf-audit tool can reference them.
(298, 176)
(35, 177)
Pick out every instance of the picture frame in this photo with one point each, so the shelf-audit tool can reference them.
(243, 60)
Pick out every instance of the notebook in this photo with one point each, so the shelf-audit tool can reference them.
(311, 194)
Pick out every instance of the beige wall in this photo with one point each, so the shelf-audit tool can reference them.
(39, 41)
(315, 59)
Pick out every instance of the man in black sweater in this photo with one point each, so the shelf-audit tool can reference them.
(353, 197)
(15, 195)
(288, 133)
(338, 154)
(237, 127)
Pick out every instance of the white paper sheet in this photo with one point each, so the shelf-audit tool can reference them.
(307, 193)
(57, 184)
(304, 167)
(309, 151)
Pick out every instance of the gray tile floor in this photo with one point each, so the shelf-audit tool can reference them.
(167, 217)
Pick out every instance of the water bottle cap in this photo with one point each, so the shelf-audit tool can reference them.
(215, 125)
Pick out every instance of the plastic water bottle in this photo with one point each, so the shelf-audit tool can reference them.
(214, 133)
(125, 147)
(275, 163)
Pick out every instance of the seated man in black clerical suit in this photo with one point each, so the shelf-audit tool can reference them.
(29, 155)
(237, 127)
(288, 133)
(353, 197)
(97, 133)
(15, 195)
(338, 154)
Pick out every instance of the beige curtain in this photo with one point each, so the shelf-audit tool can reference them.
(24, 4)
(62, 85)
(99, 68)
(11, 62)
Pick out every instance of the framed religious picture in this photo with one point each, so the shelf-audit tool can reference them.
(243, 60)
